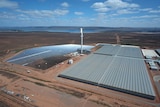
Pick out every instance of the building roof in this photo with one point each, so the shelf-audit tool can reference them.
(122, 72)
(120, 50)
(108, 49)
(134, 52)
(149, 53)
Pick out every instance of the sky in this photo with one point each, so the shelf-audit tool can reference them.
(104, 13)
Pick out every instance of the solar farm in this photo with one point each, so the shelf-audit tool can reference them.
(116, 67)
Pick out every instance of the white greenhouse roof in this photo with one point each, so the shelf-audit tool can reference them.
(117, 70)
(120, 50)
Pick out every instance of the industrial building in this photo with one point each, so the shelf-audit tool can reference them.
(151, 58)
(149, 54)
(117, 67)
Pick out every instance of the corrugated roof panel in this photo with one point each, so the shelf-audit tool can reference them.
(136, 72)
(134, 52)
(83, 69)
(108, 49)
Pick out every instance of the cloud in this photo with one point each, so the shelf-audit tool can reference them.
(23, 17)
(116, 4)
(78, 13)
(110, 5)
(65, 4)
(125, 11)
(60, 12)
(100, 7)
(104, 9)
(154, 11)
(44, 13)
(6, 15)
(150, 10)
(10, 16)
(145, 16)
(8, 4)
(146, 9)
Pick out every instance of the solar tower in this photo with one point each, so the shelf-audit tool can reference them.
(81, 30)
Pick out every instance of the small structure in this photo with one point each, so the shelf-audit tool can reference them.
(153, 65)
(70, 61)
(28, 71)
(26, 98)
(10, 92)
(149, 54)
(74, 54)
(7, 91)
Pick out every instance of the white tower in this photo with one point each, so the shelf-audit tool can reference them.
(81, 29)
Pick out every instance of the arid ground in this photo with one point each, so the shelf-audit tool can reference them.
(19, 41)
(42, 88)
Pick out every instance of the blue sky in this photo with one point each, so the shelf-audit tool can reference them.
(108, 13)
